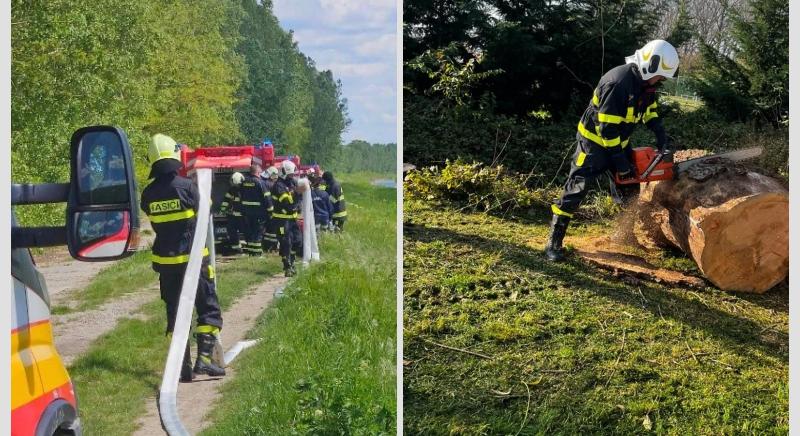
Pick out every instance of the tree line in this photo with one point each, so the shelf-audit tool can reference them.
(202, 71)
(360, 155)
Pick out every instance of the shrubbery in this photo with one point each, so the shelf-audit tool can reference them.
(474, 186)
(495, 189)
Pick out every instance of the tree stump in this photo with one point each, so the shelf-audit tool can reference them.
(733, 222)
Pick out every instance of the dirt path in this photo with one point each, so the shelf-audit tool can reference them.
(63, 273)
(75, 332)
(196, 399)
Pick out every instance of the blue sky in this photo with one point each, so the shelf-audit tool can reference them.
(356, 39)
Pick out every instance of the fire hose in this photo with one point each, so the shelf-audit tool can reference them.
(168, 394)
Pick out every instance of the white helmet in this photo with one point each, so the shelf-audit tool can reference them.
(656, 58)
(272, 172)
(237, 179)
(287, 168)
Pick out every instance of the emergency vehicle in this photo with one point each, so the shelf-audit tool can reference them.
(224, 160)
(101, 224)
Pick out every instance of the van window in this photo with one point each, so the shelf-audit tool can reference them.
(102, 178)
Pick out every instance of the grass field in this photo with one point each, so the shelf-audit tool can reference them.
(326, 364)
(499, 341)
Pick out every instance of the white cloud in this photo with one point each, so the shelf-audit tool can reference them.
(356, 40)
(370, 10)
(345, 69)
(384, 44)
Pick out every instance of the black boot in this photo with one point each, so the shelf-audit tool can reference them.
(288, 266)
(558, 228)
(205, 347)
(186, 368)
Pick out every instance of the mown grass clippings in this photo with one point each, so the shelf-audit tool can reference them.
(574, 349)
(326, 364)
(124, 366)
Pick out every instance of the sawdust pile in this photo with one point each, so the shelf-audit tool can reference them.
(626, 223)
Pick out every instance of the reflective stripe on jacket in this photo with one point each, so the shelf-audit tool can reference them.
(334, 189)
(254, 202)
(170, 201)
(285, 206)
(620, 101)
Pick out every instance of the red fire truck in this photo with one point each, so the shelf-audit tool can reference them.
(225, 160)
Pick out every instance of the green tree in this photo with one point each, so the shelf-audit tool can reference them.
(754, 81)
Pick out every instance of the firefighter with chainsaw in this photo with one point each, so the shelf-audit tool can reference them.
(171, 202)
(254, 209)
(285, 214)
(270, 240)
(334, 190)
(232, 207)
(624, 97)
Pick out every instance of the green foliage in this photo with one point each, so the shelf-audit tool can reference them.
(474, 186)
(322, 409)
(752, 84)
(284, 96)
(327, 361)
(452, 76)
(205, 72)
(529, 55)
(360, 156)
(433, 133)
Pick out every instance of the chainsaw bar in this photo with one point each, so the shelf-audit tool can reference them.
(736, 156)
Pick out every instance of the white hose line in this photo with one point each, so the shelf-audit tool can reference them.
(168, 395)
(310, 246)
(241, 345)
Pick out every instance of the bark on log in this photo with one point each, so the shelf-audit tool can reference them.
(733, 222)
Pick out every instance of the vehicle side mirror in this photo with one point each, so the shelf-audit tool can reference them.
(102, 210)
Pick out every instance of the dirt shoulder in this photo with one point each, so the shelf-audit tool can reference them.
(197, 399)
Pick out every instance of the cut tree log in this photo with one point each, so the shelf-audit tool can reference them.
(733, 222)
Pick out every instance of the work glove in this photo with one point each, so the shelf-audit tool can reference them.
(622, 165)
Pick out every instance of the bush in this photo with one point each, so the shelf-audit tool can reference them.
(475, 186)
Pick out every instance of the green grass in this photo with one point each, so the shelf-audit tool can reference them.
(124, 366)
(124, 277)
(570, 349)
(327, 361)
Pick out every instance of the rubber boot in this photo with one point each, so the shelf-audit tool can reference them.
(186, 368)
(558, 228)
(205, 349)
(288, 266)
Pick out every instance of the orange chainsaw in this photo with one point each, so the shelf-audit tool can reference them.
(650, 165)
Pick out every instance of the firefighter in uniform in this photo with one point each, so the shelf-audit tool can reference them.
(323, 207)
(270, 241)
(232, 207)
(254, 210)
(624, 96)
(171, 201)
(334, 190)
(285, 216)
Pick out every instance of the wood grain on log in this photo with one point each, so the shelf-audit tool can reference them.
(733, 222)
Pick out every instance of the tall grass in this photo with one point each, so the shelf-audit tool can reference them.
(326, 364)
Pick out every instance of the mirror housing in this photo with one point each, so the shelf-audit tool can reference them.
(102, 208)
